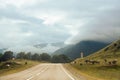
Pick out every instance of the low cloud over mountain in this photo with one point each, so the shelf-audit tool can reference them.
(39, 48)
(29, 22)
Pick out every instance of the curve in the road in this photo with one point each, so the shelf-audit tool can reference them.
(45, 71)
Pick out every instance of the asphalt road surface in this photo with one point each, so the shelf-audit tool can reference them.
(44, 71)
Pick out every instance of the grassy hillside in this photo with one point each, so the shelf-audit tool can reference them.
(15, 66)
(88, 47)
(104, 69)
(111, 51)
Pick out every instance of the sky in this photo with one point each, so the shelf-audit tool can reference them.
(30, 22)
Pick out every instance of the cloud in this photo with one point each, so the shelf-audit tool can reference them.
(28, 22)
(23, 29)
(30, 48)
(104, 26)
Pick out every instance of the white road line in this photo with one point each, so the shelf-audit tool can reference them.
(67, 73)
(38, 73)
(42, 71)
(29, 78)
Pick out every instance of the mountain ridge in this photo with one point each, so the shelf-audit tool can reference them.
(87, 47)
(110, 51)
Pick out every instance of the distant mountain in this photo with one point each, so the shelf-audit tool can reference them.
(87, 47)
(38, 48)
(42, 45)
(63, 50)
(2, 50)
(111, 51)
(49, 47)
(57, 44)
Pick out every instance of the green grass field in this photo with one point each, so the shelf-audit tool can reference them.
(16, 66)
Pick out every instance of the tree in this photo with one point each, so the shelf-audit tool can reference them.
(55, 59)
(45, 57)
(1, 57)
(28, 56)
(21, 55)
(60, 59)
(7, 56)
(64, 58)
(36, 57)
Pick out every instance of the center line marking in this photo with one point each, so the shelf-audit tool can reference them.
(42, 71)
(38, 73)
(29, 78)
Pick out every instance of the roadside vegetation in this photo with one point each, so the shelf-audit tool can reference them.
(13, 66)
(44, 57)
(104, 64)
(101, 71)
(11, 63)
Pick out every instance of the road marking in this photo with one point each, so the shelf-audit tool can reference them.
(38, 73)
(67, 73)
(42, 71)
(29, 78)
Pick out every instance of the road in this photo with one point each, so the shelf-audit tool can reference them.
(46, 71)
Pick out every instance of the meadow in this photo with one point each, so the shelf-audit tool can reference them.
(15, 66)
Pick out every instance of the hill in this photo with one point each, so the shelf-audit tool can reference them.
(87, 47)
(107, 66)
(110, 51)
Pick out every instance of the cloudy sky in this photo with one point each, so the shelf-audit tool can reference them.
(29, 22)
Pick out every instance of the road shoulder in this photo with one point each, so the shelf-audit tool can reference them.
(77, 74)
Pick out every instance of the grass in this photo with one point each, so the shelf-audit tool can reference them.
(103, 70)
(16, 66)
(110, 51)
(78, 74)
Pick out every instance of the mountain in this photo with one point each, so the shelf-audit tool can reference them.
(38, 48)
(2, 50)
(58, 44)
(43, 45)
(87, 47)
(49, 47)
(111, 51)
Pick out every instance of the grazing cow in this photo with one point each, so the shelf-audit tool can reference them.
(92, 61)
(105, 60)
(113, 62)
(26, 63)
(109, 62)
(81, 64)
(87, 61)
(74, 62)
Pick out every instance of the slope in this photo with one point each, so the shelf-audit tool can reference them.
(111, 51)
(107, 66)
(87, 47)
